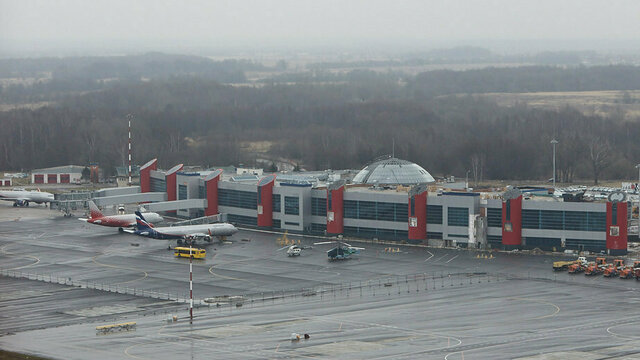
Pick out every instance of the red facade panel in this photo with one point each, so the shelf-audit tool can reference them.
(65, 178)
(145, 175)
(211, 184)
(265, 201)
(418, 216)
(38, 179)
(335, 210)
(512, 222)
(171, 179)
(52, 178)
(617, 228)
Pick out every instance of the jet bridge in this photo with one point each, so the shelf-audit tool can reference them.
(130, 198)
(176, 204)
(211, 219)
(128, 190)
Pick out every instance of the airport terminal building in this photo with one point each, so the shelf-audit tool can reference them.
(392, 200)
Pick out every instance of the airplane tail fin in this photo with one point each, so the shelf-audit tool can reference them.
(141, 223)
(139, 214)
(95, 212)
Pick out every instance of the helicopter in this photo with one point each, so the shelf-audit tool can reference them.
(294, 250)
(340, 252)
(293, 246)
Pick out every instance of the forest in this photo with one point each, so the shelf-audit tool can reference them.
(183, 114)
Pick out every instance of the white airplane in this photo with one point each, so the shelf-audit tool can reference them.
(187, 232)
(119, 221)
(21, 197)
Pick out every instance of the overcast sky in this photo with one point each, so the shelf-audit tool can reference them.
(33, 23)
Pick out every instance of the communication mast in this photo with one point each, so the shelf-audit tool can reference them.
(190, 283)
(129, 117)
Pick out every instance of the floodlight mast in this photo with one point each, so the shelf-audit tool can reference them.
(129, 117)
(554, 142)
(190, 283)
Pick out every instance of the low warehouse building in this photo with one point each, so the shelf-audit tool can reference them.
(69, 174)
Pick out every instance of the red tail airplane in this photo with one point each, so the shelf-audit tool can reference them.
(119, 221)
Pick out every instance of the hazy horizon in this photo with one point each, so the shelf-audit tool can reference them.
(72, 27)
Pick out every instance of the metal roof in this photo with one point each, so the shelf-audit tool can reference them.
(266, 180)
(244, 178)
(124, 170)
(174, 169)
(213, 174)
(149, 163)
(60, 170)
(393, 171)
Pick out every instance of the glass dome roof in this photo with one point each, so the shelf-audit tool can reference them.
(393, 171)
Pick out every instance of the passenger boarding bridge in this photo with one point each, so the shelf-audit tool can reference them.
(154, 201)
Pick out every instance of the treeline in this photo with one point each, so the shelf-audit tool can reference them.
(521, 79)
(471, 55)
(150, 65)
(197, 121)
(51, 78)
(524, 79)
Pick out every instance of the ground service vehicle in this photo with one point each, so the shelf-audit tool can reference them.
(614, 269)
(596, 268)
(562, 265)
(578, 265)
(565, 265)
(628, 271)
(185, 251)
(577, 268)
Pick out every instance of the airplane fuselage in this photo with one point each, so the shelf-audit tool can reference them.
(179, 232)
(24, 197)
(126, 220)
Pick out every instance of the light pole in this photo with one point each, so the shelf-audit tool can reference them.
(638, 183)
(554, 142)
(466, 181)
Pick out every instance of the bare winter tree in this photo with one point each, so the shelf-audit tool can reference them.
(477, 167)
(598, 156)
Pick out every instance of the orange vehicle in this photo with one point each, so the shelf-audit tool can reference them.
(576, 268)
(636, 273)
(614, 269)
(628, 271)
(596, 268)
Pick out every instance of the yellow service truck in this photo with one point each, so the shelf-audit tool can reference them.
(564, 265)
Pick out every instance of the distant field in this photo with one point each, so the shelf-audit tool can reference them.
(605, 103)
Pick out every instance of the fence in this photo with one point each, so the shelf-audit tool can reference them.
(394, 285)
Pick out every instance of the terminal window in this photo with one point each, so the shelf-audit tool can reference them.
(434, 214)
(458, 216)
(275, 201)
(291, 205)
(318, 206)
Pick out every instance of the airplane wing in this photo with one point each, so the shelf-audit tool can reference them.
(82, 219)
(130, 231)
(12, 198)
(197, 236)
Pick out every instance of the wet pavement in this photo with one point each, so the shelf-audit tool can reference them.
(62, 278)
